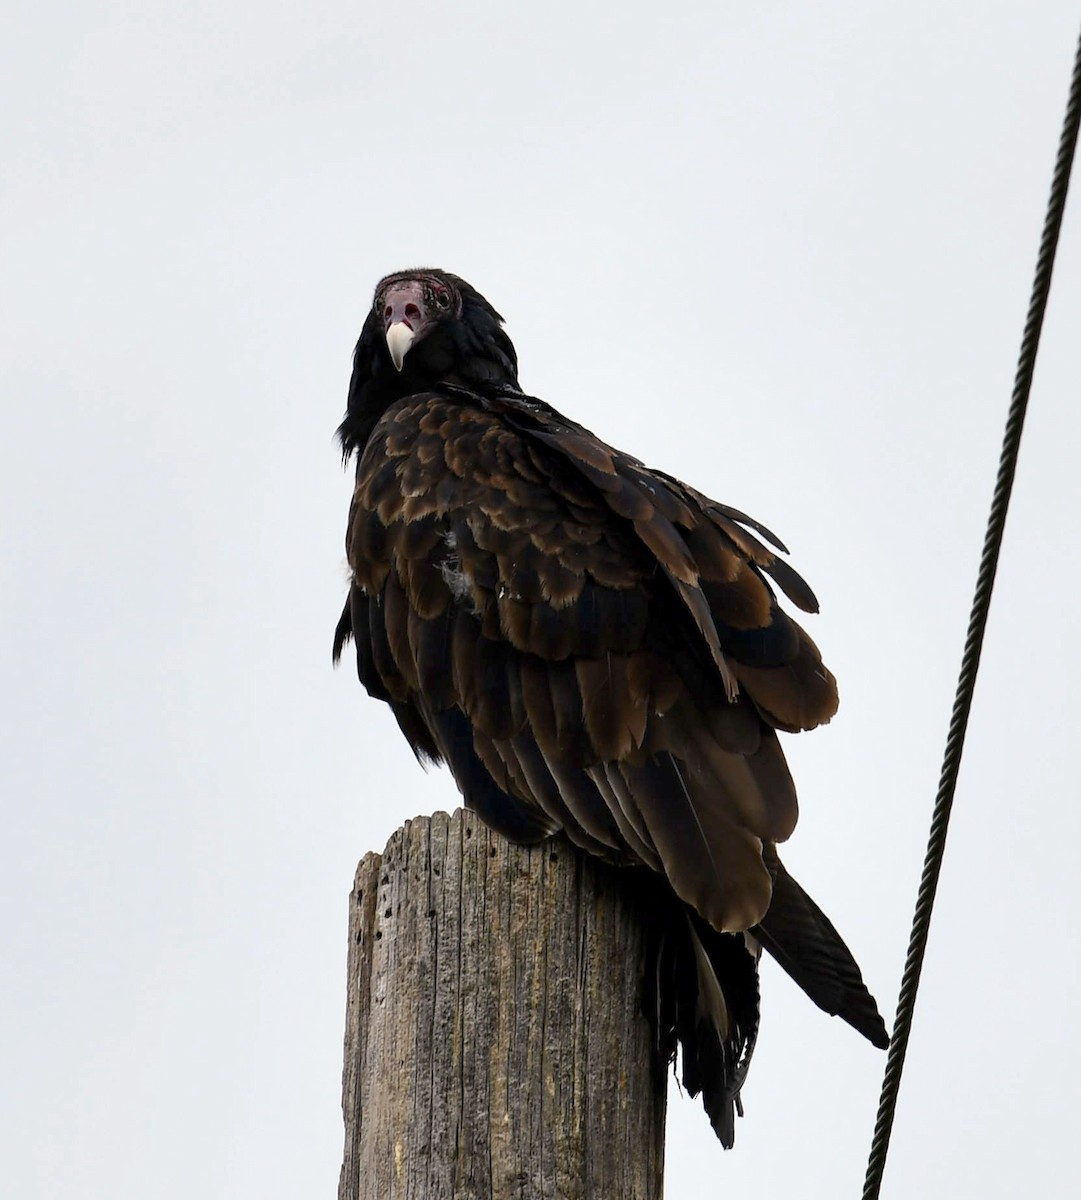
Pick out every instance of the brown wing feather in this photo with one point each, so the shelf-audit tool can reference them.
(589, 621)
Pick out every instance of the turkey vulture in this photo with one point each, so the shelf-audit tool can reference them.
(591, 646)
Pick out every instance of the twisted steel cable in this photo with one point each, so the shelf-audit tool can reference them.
(977, 623)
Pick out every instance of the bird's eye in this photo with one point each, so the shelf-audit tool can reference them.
(442, 298)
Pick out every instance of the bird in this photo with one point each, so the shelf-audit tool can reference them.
(593, 648)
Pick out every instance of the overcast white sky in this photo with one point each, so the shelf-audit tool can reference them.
(781, 250)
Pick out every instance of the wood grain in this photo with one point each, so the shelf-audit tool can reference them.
(495, 1046)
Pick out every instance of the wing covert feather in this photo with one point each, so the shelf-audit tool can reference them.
(606, 633)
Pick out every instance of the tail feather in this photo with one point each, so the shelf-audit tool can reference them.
(799, 935)
(703, 1000)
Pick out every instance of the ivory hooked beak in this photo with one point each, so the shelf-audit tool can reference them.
(399, 339)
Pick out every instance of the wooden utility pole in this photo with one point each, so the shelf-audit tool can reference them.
(495, 1047)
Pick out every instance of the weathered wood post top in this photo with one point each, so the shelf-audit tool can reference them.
(495, 1045)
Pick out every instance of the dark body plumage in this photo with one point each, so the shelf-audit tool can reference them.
(594, 647)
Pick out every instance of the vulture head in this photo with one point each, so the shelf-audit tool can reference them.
(425, 327)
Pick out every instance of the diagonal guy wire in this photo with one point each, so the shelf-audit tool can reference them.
(977, 623)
